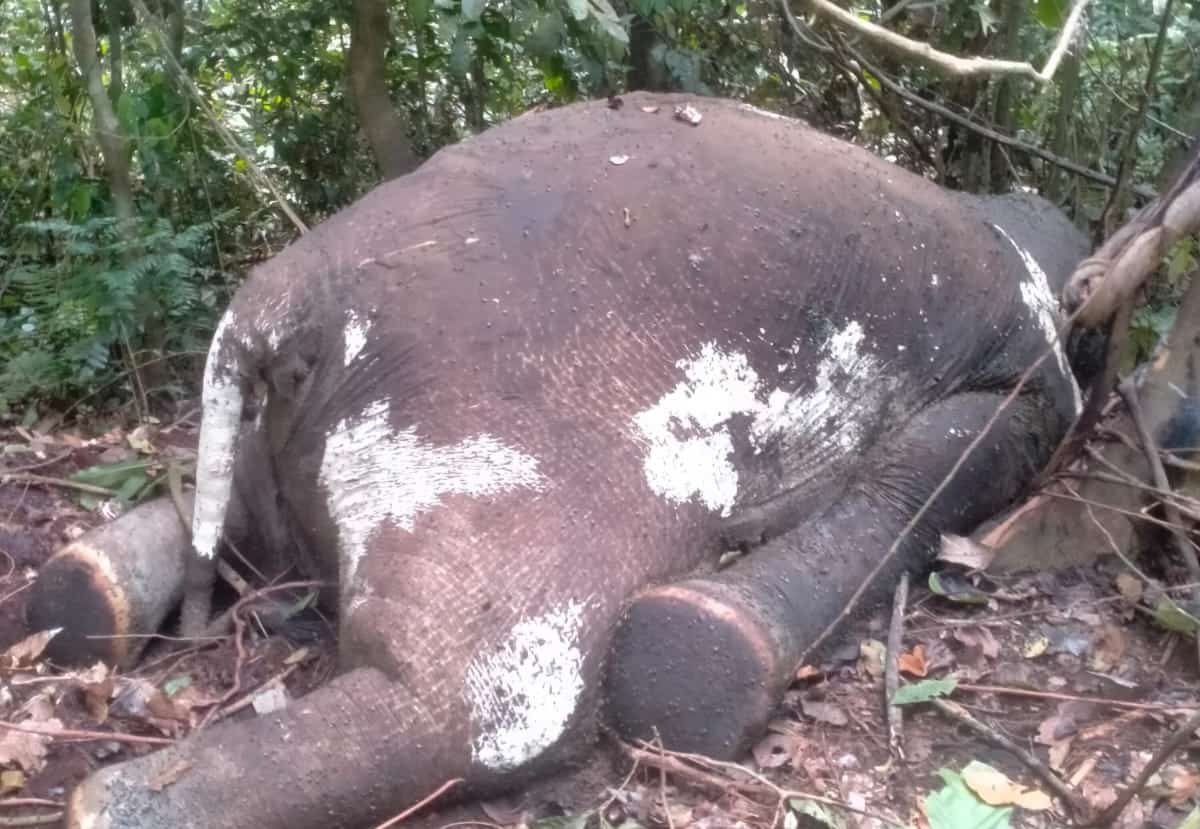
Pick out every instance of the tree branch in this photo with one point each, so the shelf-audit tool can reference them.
(943, 61)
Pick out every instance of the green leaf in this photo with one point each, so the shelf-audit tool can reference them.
(816, 813)
(924, 691)
(1051, 13)
(547, 36)
(460, 53)
(956, 589)
(176, 684)
(578, 8)
(954, 806)
(472, 9)
(603, 11)
(418, 12)
(1168, 614)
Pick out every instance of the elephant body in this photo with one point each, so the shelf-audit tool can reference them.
(514, 407)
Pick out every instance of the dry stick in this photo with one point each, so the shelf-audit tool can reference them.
(251, 695)
(1004, 690)
(6, 477)
(676, 762)
(1192, 511)
(32, 820)
(1129, 394)
(959, 714)
(239, 625)
(29, 467)
(31, 801)
(891, 682)
(421, 804)
(947, 63)
(1110, 814)
(76, 734)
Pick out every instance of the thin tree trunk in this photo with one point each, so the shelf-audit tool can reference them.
(367, 70)
(1006, 92)
(1057, 181)
(114, 144)
(116, 70)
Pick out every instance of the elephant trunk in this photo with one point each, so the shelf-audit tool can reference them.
(222, 405)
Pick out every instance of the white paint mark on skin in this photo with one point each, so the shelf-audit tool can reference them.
(354, 335)
(689, 445)
(221, 415)
(1035, 291)
(522, 694)
(933, 279)
(373, 473)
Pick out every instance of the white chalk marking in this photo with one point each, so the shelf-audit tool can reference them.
(373, 473)
(221, 405)
(522, 694)
(1036, 293)
(354, 335)
(689, 447)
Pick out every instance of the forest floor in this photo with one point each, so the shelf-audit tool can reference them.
(1062, 663)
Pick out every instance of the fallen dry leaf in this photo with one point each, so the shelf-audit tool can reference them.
(1130, 587)
(870, 657)
(980, 642)
(1035, 647)
(25, 749)
(825, 712)
(774, 750)
(1183, 783)
(996, 789)
(913, 662)
(965, 552)
(23, 653)
(1109, 648)
(808, 672)
(11, 781)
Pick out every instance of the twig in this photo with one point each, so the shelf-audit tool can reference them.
(20, 477)
(421, 804)
(251, 695)
(677, 762)
(32, 820)
(1113, 811)
(1129, 394)
(1004, 690)
(945, 62)
(239, 625)
(76, 734)
(31, 801)
(29, 467)
(891, 682)
(959, 714)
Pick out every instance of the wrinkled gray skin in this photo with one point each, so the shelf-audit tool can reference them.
(516, 404)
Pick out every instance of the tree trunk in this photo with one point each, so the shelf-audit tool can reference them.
(1057, 181)
(1006, 93)
(385, 130)
(114, 144)
(116, 63)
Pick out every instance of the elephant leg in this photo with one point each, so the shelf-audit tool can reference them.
(352, 753)
(704, 661)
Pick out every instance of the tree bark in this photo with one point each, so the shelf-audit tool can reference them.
(114, 144)
(116, 63)
(382, 124)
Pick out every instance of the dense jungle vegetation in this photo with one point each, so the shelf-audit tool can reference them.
(153, 150)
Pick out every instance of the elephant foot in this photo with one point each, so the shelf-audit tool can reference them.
(695, 665)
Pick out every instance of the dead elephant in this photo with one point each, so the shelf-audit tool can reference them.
(517, 404)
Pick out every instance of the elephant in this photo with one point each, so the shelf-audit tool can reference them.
(518, 408)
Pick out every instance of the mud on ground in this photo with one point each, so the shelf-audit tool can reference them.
(1066, 665)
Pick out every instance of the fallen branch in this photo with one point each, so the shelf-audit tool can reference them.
(1004, 690)
(891, 682)
(77, 734)
(677, 762)
(1110, 814)
(959, 714)
(32, 820)
(44, 480)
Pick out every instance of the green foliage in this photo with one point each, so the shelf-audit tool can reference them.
(923, 691)
(955, 807)
(78, 295)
